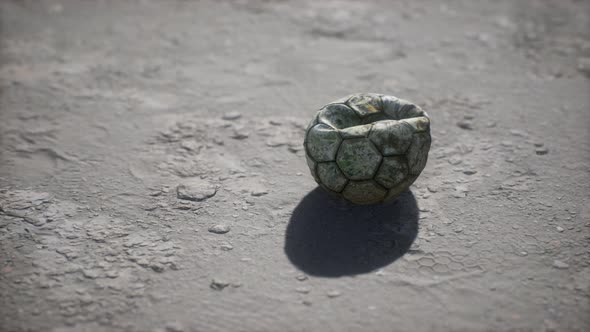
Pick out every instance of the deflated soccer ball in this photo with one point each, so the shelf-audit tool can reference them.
(367, 148)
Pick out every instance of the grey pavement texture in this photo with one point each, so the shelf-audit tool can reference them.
(153, 178)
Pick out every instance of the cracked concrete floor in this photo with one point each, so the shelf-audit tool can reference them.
(152, 176)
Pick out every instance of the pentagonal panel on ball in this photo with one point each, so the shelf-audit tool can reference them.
(391, 137)
(393, 170)
(322, 143)
(339, 116)
(358, 159)
(364, 192)
(331, 176)
(312, 167)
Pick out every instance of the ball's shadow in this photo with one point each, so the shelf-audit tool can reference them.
(329, 237)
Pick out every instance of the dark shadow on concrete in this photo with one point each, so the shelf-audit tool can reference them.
(329, 237)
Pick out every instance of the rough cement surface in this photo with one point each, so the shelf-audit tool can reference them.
(110, 109)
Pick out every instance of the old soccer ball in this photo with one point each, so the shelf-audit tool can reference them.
(368, 148)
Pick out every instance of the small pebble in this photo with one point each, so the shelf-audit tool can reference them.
(259, 192)
(219, 229)
(301, 277)
(90, 274)
(295, 149)
(197, 191)
(541, 151)
(517, 133)
(303, 290)
(559, 229)
(273, 143)
(333, 294)
(157, 267)
(218, 285)
(231, 116)
(464, 124)
(226, 247)
(560, 265)
(239, 135)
